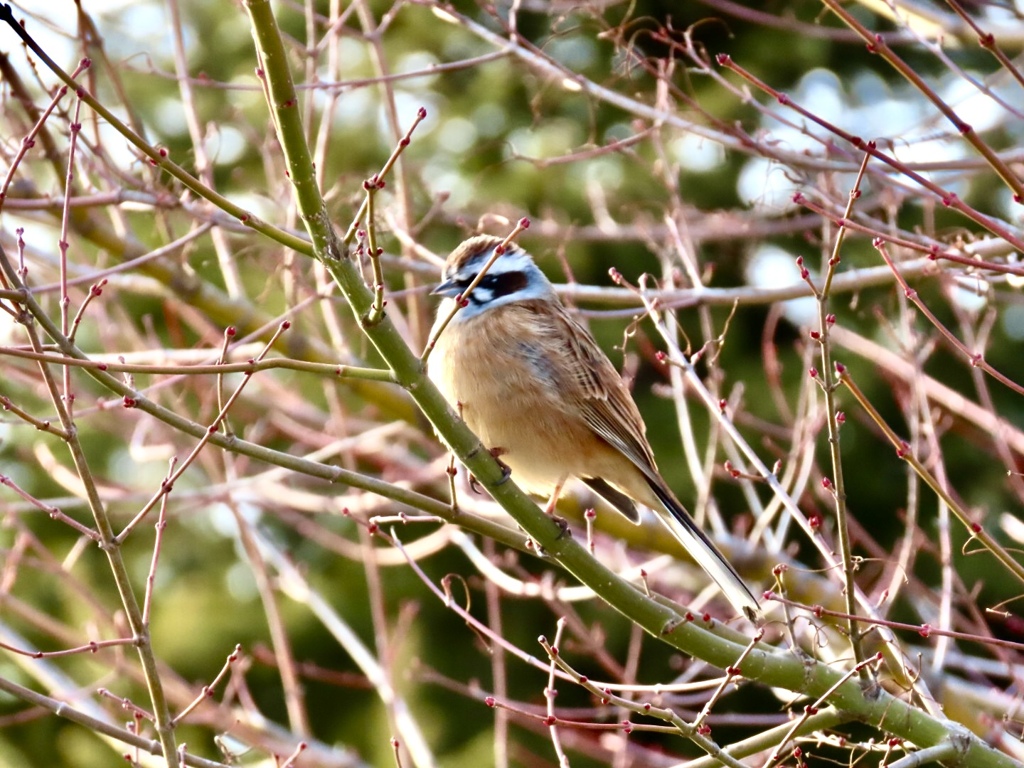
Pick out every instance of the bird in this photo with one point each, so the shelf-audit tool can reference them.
(541, 394)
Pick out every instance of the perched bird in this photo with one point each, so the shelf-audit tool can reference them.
(536, 388)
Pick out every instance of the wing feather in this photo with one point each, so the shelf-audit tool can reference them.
(603, 399)
(588, 378)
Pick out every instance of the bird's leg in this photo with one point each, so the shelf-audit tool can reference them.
(549, 508)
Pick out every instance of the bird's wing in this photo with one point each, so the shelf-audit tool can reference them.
(605, 402)
(609, 410)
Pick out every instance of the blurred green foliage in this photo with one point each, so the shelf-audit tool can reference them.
(496, 142)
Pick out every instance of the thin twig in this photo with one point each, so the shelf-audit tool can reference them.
(902, 451)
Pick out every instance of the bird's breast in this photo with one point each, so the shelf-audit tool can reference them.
(500, 371)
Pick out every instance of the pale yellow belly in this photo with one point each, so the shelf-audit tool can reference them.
(504, 406)
(507, 401)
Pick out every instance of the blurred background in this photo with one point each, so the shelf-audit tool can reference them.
(614, 129)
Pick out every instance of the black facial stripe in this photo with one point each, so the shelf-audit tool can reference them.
(504, 283)
(493, 286)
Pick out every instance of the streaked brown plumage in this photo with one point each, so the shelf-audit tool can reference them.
(532, 382)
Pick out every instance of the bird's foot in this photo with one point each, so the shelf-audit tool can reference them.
(563, 526)
(506, 471)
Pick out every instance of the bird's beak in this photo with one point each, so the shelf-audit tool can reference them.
(448, 288)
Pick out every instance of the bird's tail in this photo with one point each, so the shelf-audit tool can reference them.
(700, 547)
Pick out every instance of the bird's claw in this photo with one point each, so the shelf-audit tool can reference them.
(563, 526)
(506, 470)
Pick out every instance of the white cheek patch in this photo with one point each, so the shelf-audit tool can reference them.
(480, 296)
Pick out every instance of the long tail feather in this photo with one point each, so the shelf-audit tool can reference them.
(700, 547)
